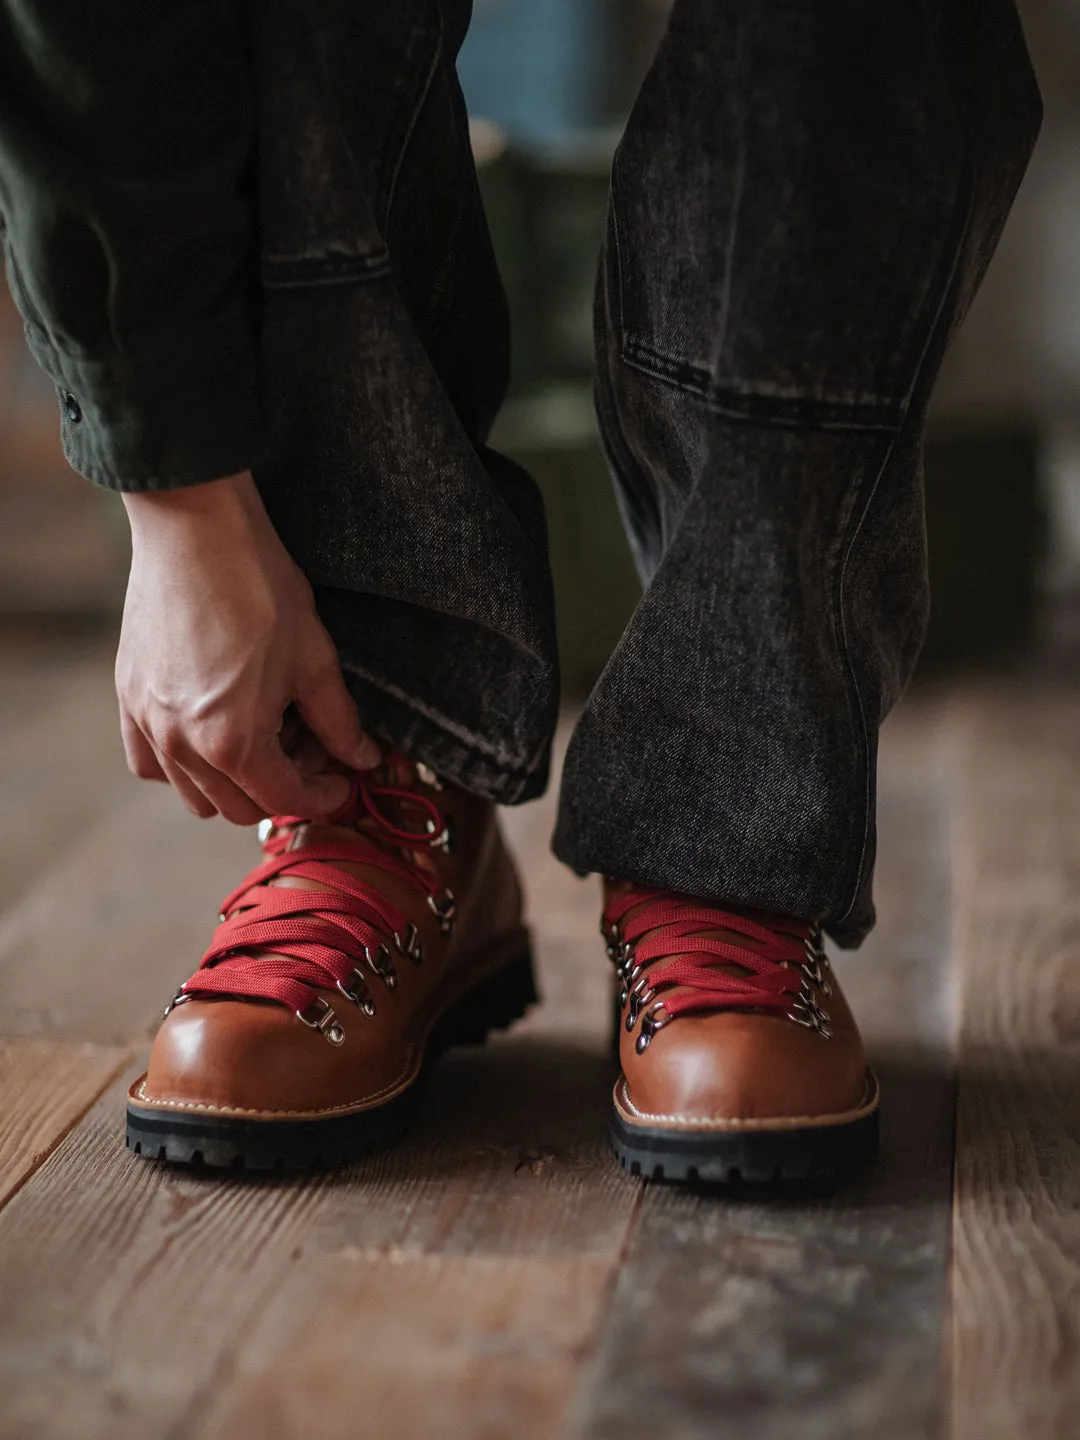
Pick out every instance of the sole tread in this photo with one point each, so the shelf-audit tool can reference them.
(745, 1158)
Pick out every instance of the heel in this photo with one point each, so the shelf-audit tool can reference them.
(494, 1003)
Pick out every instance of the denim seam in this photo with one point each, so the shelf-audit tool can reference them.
(616, 440)
(875, 414)
(327, 270)
(425, 90)
(968, 191)
(790, 412)
(476, 743)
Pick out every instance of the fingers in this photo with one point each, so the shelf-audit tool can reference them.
(188, 791)
(141, 759)
(330, 713)
(273, 780)
(224, 797)
(229, 771)
(203, 790)
(243, 789)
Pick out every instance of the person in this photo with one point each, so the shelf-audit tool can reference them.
(249, 248)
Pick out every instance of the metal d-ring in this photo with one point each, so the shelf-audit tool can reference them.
(325, 1022)
(427, 776)
(381, 965)
(178, 999)
(441, 839)
(816, 962)
(356, 990)
(637, 1000)
(650, 1024)
(806, 1011)
(444, 909)
(410, 945)
(630, 979)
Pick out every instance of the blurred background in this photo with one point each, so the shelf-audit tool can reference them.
(548, 85)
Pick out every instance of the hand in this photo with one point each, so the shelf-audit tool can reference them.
(220, 638)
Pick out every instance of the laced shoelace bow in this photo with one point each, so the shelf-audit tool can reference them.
(646, 927)
(333, 939)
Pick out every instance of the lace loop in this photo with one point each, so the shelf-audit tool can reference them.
(286, 943)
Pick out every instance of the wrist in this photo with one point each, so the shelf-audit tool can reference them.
(222, 511)
(230, 504)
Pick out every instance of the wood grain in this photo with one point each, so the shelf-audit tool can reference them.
(61, 760)
(100, 943)
(494, 1274)
(414, 1346)
(819, 1316)
(492, 1235)
(1016, 1280)
(45, 1087)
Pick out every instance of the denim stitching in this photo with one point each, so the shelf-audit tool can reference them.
(801, 412)
(282, 274)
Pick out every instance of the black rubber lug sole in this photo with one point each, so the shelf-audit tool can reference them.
(755, 1156)
(225, 1143)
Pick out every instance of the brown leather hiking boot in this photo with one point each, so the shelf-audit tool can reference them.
(740, 1057)
(344, 962)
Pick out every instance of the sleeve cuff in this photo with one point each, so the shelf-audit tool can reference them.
(161, 419)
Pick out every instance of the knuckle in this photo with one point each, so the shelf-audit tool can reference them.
(170, 739)
(225, 752)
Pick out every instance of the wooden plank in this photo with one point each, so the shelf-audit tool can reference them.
(371, 1345)
(99, 944)
(789, 1314)
(125, 1285)
(141, 1300)
(46, 1087)
(61, 760)
(1016, 1282)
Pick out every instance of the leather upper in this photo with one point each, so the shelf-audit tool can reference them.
(256, 1057)
(722, 1068)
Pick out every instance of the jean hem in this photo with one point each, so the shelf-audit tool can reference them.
(403, 723)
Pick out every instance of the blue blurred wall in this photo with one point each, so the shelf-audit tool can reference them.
(536, 67)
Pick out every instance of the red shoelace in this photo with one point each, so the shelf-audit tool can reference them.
(775, 971)
(325, 939)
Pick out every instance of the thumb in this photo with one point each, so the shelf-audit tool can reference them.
(330, 713)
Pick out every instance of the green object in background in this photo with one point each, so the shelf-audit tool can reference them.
(546, 210)
(553, 434)
(986, 531)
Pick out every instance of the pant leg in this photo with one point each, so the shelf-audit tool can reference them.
(802, 207)
(384, 361)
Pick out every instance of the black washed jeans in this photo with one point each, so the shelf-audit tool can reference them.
(802, 207)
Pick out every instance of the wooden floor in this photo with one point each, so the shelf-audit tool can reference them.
(496, 1275)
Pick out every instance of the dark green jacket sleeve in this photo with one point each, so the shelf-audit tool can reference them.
(126, 201)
